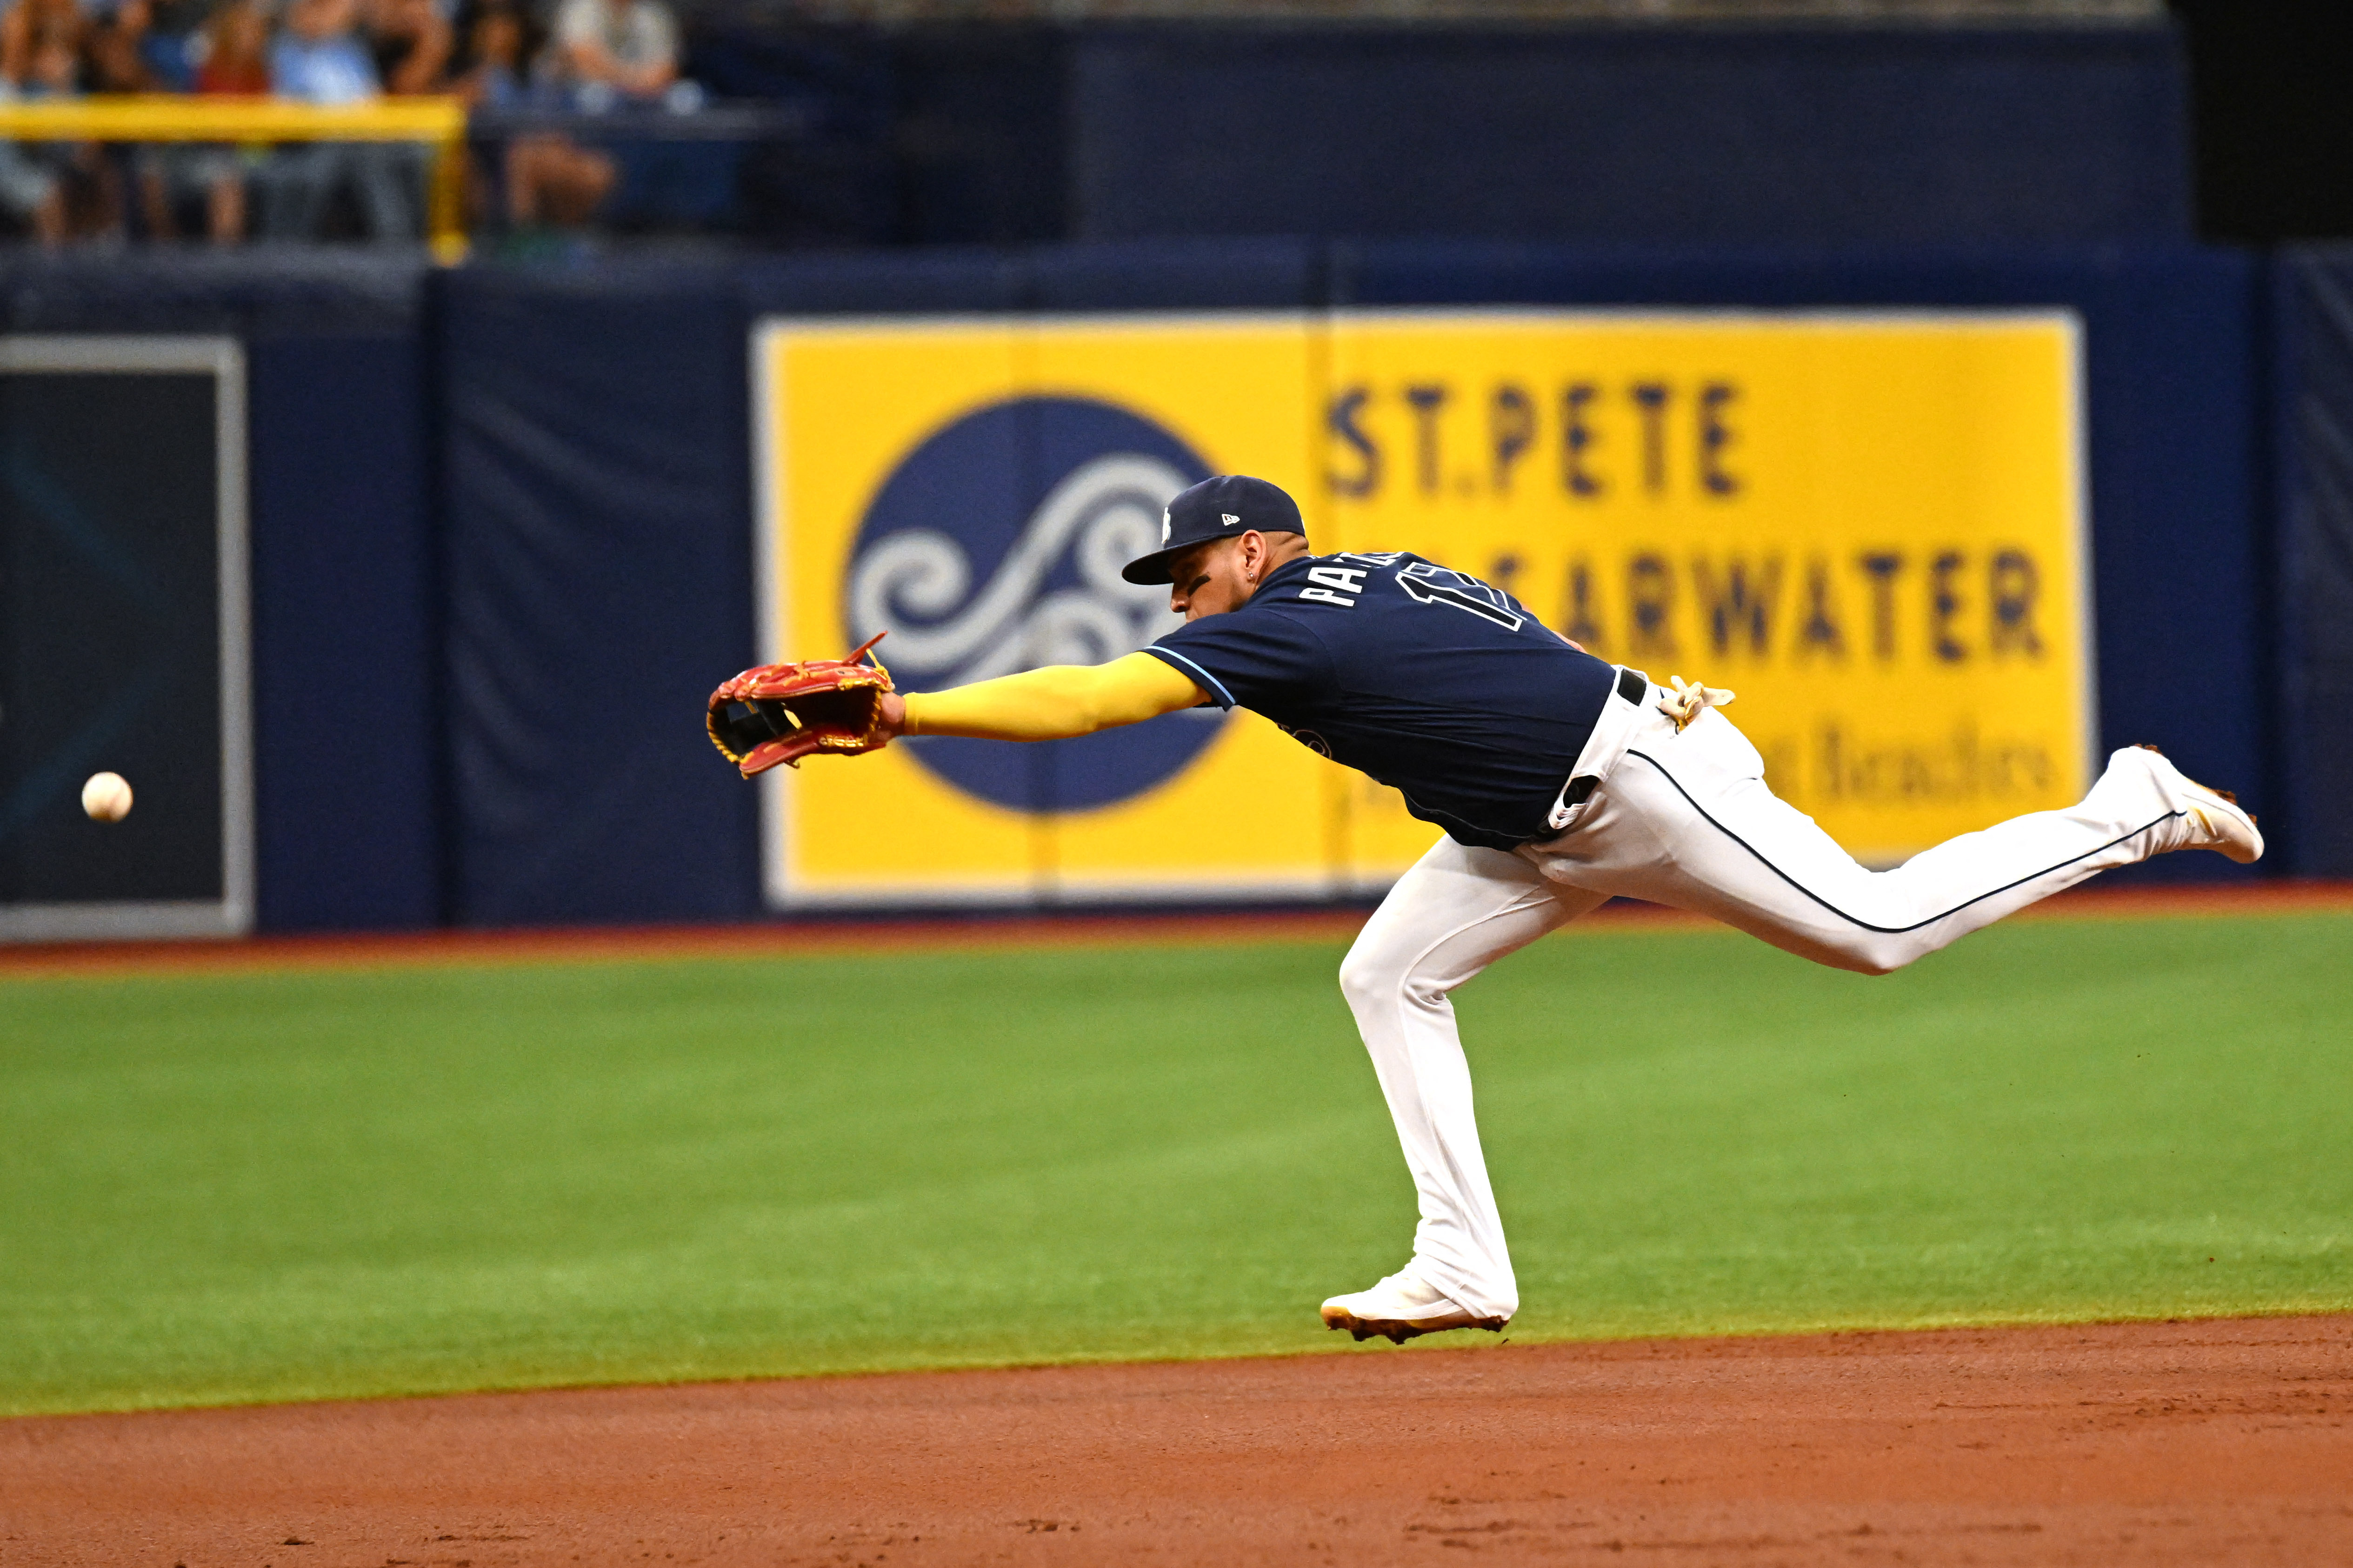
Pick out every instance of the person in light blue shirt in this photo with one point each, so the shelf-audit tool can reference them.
(318, 57)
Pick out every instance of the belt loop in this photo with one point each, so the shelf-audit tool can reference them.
(1631, 685)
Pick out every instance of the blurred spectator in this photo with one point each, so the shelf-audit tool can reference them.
(41, 44)
(411, 43)
(496, 42)
(56, 190)
(610, 48)
(236, 51)
(550, 180)
(173, 42)
(116, 49)
(554, 182)
(233, 61)
(605, 53)
(318, 57)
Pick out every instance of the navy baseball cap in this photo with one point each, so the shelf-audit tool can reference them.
(1225, 507)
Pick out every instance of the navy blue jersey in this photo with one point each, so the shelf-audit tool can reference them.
(1433, 683)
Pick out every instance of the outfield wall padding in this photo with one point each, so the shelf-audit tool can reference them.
(597, 502)
(595, 451)
(501, 528)
(346, 704)
(2315, 557)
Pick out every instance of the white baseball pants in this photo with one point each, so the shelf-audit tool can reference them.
(1682, 819)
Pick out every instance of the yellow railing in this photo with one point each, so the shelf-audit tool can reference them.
(161, 117)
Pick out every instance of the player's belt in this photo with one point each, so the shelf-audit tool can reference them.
(1631, 684)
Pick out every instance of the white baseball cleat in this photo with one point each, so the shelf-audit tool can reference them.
(1402, 1306)
(2218, 820)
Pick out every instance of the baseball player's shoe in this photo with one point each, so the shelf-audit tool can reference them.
(1400, 1307)
(2220, 821)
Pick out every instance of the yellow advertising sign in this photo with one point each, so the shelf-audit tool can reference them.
(1869, 525)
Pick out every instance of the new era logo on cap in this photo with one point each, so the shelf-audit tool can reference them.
(1216, 509)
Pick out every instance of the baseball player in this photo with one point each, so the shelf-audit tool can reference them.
(1559, 781)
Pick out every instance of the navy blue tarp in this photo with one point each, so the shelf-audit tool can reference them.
(596, 454)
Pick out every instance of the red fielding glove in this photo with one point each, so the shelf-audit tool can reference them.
(782, 712)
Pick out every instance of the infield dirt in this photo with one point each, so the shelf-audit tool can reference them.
(2227, 1441)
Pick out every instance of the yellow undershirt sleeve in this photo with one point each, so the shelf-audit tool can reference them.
(1056, 703)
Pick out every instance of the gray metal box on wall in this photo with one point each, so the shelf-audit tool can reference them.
(123, 640)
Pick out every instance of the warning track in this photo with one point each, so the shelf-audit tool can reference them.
(2162, 1443)
(786, 939)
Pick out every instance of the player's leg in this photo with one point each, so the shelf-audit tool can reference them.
(1685, 819)
(1454, 914)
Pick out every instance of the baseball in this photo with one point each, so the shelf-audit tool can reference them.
(106, 797)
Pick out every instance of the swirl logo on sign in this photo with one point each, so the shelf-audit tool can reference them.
(996, 546)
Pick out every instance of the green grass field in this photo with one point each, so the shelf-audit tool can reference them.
(258, 1186)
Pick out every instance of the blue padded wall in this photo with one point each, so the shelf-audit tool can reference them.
(2315, 587)
(346, 713)
(502, 519)
(595, 454)
(599, 513)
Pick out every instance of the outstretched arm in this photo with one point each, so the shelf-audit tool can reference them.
(1054, 703)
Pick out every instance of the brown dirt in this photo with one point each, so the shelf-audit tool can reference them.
(2224, 1442)
(780, 938)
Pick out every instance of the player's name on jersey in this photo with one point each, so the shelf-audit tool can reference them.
(1585, 438)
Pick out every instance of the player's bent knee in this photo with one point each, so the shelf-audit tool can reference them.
(1364, 979)
(1875, 953)
(1370, 978)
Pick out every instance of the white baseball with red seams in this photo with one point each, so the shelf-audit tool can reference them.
(106, 797)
